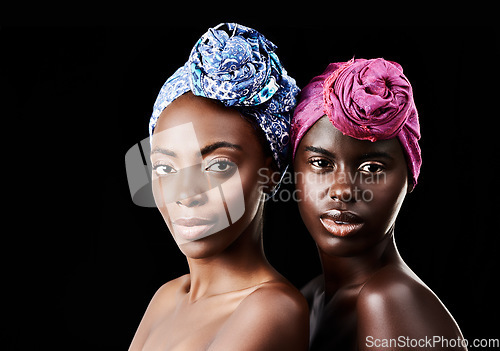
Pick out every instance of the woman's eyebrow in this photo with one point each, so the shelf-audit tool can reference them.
(207, 149)
(159, 150)
(320, 150)
(214, 146)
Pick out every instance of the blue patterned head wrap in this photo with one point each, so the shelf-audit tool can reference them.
(237, 66)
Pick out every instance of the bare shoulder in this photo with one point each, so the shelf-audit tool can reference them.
(273, 317)
(168, 292)
(276, 297)
(393, 284)
(395, 302)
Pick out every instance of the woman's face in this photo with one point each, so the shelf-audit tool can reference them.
(349, 191)
(206, 180)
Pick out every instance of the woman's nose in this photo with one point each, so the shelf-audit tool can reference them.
(193, 201)
(342, 188)
(187, 188)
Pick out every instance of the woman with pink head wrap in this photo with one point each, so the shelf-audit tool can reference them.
(356, 156)
(365, 99)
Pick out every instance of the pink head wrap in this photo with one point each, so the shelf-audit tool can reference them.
(364, 99)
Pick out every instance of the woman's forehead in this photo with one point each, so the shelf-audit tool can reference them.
(194, 123)
(208, 117)
(324, 134)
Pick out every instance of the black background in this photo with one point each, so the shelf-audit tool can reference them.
(81, 261)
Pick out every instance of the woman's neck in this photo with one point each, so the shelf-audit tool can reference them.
(239, 266)
(341, 272)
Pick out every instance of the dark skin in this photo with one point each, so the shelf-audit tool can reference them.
(350, 192)
(232, 299)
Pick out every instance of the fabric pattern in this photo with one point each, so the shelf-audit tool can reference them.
(237, 66)
(364, 99)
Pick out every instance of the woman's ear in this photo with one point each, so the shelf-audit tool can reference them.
(410, 186)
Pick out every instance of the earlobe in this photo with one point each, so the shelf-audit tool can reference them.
(410, 187)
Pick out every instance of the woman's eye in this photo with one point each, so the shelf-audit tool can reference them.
(320, 163)
(164, 170)
(220, 166)
(372, 168)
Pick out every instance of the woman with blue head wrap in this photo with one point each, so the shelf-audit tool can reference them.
(219, 133)
(237, 66)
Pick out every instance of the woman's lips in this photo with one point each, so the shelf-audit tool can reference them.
(192, 228)
(341, 223)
